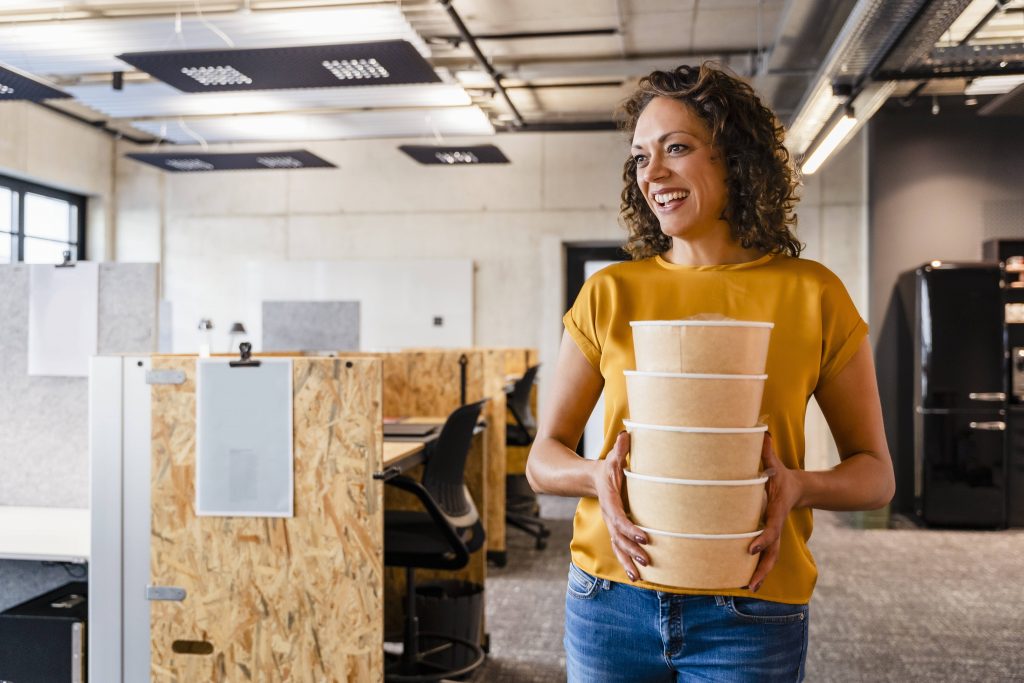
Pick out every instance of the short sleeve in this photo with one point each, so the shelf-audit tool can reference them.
(843, 329)
(581, 324)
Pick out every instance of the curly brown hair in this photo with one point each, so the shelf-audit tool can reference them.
(761, 181)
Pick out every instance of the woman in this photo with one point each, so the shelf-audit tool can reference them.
(708, 203)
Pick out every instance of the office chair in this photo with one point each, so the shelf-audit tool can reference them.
(441, 537)
(521, 508)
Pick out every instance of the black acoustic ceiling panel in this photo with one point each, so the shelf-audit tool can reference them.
(388, 62)
(241, 161)
(17, 86)
(443, 155)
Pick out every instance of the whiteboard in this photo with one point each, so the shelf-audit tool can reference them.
(399, 300)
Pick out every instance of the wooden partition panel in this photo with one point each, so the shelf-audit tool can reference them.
(517, 360)
(297, 599)
(427, 382)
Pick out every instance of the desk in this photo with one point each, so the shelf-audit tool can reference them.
(44, 534)
(403, 454)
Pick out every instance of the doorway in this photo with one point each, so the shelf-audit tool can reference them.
(582, 260)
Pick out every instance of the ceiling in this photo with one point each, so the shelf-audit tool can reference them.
(517, 65)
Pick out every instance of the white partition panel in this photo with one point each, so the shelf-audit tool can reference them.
(119, 450)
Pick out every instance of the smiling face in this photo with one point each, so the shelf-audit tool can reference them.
(680, 174)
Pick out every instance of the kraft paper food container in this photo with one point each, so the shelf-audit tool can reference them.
(705, 561)
(695, 452)
(732, 347)
(693, 506)
(698, 400)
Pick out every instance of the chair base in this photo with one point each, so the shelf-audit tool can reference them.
(430, 644)
(532, 526)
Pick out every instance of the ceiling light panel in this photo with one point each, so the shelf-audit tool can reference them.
(233, 161)
(312, 66)
(296, 127)
(15, 85)
(90, 45)
(156, 99)
(448, 155)
(993, 85)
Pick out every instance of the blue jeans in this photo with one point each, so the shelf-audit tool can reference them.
(617, 632)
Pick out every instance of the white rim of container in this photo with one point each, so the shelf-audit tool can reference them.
(692, 375)
(676, 534)
(630, 426)
(696, 482)
(699, 323)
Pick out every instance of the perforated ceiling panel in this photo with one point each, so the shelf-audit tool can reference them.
(15, 86)
(238, 161)
(447, 155)
(320, 66)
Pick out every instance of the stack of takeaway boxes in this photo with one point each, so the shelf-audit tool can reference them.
(694, 479)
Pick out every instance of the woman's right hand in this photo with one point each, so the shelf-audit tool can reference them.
(626, 537)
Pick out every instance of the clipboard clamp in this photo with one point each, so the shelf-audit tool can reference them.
(245, 360)
(67, 262)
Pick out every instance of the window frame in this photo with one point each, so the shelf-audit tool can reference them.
(19, 188)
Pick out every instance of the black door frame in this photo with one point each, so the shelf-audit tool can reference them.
(576, 256)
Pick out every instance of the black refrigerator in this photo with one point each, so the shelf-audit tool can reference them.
(959, 394)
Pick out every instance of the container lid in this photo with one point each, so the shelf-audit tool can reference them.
(676, 534)
(630, 426)
(692, 375)
(700, 323)
(696, 482)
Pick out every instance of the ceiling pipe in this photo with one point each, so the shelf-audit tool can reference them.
(495, 76)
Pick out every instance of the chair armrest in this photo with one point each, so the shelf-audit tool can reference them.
(414, 487)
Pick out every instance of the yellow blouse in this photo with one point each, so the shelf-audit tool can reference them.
(817, 330)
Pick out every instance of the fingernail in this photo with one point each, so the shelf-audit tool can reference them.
(640, 539)
(639, 560)
(756, 587)
(755, 550)
(630, 575)
(770, 472)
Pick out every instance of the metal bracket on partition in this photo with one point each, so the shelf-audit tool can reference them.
(245, 357)
(463, 361)
(169, 593)
(165, 376)
(67, 263)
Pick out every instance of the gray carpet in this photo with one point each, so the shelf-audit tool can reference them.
(900, 605)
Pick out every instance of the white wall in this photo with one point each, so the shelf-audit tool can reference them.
(381, 205)
(833, 223)
(51, 149)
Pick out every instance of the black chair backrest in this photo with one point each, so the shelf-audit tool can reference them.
(444, 472)
(519, 401)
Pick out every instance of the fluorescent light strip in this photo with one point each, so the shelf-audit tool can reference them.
(829, 144)
(993, 85)
(356, 69)
(279, 162)
(189, 164)
(456, 157)
(216, 75)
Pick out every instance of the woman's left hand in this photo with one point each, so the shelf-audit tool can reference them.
(784, 490)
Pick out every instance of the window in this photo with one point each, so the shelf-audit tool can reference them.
(38, 224)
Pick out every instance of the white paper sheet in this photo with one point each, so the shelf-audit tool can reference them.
(244, 464)
(63, 319)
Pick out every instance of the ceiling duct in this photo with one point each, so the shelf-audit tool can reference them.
(881, 42)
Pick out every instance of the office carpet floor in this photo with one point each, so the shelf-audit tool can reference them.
(900, 604)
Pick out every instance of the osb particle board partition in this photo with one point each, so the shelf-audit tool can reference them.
(297, 599)
(517, 360)
(428, 382)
